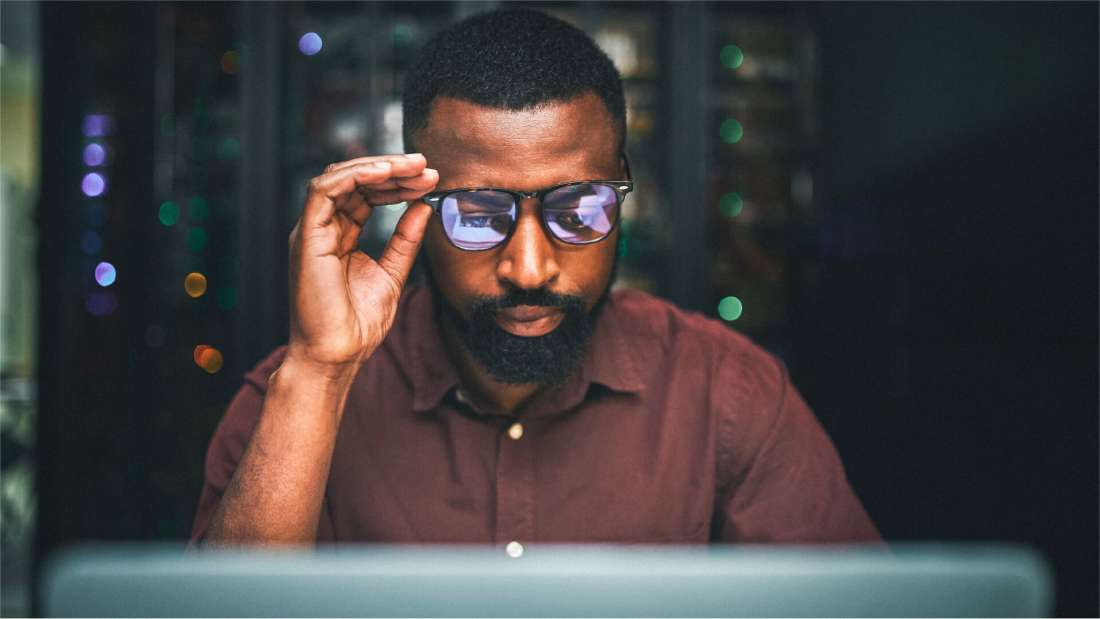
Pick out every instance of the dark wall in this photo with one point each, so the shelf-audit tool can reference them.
(950, 341)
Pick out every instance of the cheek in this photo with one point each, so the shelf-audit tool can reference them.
(588, 270)
(459, 275)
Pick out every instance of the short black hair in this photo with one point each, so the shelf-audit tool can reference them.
(512, 59)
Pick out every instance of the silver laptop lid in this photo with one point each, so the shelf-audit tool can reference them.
(561, 581)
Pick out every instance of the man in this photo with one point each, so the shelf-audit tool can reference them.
(513, 399)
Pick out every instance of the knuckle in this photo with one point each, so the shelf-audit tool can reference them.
(402, 242)
(314, 185)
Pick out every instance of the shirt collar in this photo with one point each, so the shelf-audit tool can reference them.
(609, 361)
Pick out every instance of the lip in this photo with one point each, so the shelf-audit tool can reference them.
(529, 320)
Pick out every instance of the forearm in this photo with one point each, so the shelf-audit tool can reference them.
(275, 494)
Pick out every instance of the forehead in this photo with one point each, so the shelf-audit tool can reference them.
(559, 141)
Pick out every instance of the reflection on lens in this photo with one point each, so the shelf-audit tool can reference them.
(476, 220)
(582, 213)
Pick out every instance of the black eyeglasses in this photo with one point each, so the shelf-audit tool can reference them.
(577, 213)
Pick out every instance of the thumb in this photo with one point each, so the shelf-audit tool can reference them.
(400, 252)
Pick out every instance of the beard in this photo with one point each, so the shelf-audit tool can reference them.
(548, 359)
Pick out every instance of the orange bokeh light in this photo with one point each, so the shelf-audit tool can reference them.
(231, 62)
(208, 358)
(195, 284)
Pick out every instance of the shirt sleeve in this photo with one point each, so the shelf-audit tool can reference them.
(783, 481)
(229, 443)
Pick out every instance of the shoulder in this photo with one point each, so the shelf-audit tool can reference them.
(654, 326)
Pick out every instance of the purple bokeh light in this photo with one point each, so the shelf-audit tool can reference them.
(100, 303)
(105, 274)
(94, 155)
(310, 43)
(93, 184)
(96, 125)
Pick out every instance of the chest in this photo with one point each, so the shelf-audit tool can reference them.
(614, 469)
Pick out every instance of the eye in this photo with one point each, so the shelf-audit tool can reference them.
(496, 222)
(569, 220)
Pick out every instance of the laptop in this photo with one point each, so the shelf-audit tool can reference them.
(551, 580)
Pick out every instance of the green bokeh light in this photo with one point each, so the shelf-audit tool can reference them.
(196, 239)
(730, 308)
(402, 34)
(169, 213)
(229, 149)
(227, 298)
(731, 204)
(732, 56)
(197, 209)
(731, 131)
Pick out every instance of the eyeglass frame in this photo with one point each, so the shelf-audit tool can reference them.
(621, 188)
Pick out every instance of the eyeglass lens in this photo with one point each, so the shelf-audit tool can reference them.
(574, 214)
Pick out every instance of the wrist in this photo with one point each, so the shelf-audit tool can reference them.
(302, 367)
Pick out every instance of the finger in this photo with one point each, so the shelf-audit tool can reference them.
(326, 191)
(400, 252)
(349, 235)
(378, 198)
(426, 180)
(402, 165)
(356, 205)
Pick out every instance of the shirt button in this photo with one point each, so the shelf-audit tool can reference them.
(515, 431)
(514, 549)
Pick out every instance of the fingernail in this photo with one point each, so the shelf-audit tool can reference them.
(413, 155)
(381, 164)
(436, 172)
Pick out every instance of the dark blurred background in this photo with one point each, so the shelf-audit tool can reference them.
(900, 200)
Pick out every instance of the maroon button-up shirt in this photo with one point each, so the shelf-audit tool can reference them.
(675, 429)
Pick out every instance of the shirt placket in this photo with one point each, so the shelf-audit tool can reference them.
(515, 488)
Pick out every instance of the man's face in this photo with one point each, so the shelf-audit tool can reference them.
(475, 146)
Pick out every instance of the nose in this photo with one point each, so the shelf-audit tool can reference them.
(528, 261)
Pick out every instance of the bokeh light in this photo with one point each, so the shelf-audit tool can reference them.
(169, 213)
(100, 302)
(402, 34)
(96, 125)
(310, 43)
(93, 184)
(231, 62)
(90, 243)
(207, 358)
(197, 209)
(731, 204)
(105, 274)
(730, 308)
(731, 131)
(227, 298)
(196, 239)
(732, 56)
(94, 155)
(195, 284)
(229, 149)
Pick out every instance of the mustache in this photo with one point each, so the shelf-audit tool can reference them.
(536, 296)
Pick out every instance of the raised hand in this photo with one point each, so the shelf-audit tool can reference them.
(342, 302)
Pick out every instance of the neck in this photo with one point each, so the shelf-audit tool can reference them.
(504, 396)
